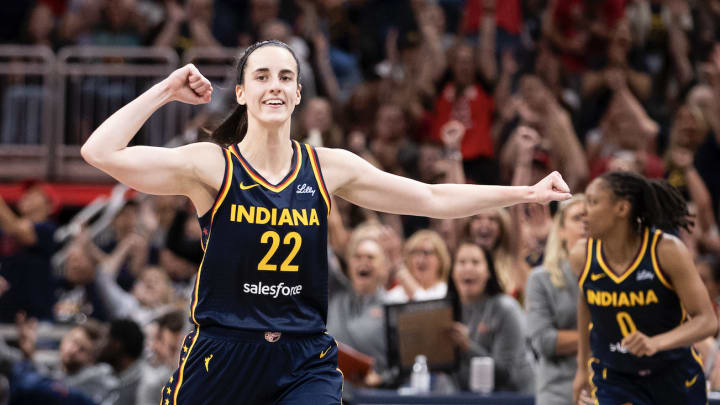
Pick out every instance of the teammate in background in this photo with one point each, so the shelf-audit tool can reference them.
(642, 303)
(260, 300)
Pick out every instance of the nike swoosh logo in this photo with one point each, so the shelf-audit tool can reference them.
(595, 277)
(690, 383)
(322, 354)
(244, 187)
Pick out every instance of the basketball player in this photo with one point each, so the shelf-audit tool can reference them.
(642, 303)
(260, 300)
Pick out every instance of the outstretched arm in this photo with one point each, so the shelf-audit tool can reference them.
(155, 170)
(357, 181)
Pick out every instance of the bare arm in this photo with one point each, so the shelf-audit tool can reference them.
(322, 60)
(503, 90)
(679, 50)
(21, 228)
(566, 147)
(677, 263)
(357, 181)
(486, 61)
(433, 48)
(174, 171)
(567, 342)
(175, 15)
(337, 233)
(640, 83)
(581, 383)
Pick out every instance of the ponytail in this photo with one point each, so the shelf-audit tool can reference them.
(232, 129)
(674, 208)
(654, 203)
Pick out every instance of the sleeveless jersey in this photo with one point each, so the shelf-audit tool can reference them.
(640, 299)
(265, 261)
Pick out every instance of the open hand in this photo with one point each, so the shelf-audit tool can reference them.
(551, 188)
(189, 86)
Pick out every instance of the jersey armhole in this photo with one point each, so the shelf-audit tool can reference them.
(317, 171)
(206, 219)
(588, 261)
(656, 262)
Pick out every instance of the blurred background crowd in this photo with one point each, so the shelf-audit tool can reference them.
(476, 91)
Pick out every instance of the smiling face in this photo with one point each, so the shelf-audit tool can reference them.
(485, 229)
(366, 267)
(152, 288)
(270, 88)
(76, 350)
(470, 272)
(424, 263)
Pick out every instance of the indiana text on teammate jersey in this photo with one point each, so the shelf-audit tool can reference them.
(621, 298)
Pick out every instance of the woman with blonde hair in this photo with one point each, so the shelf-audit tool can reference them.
(427, 265)
(495, 231)
(551, 303)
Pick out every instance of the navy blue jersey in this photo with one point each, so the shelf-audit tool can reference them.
(265, 261)
(640, 299)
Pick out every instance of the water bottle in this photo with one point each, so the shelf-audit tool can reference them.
(482, 374)
(420, 378)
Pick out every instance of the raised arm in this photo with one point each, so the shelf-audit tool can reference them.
(357, 181)
(485, 56)
(21, 228)
(193, 170)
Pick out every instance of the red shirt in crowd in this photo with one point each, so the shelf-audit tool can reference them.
(508, 16)
(565, 15)
(474, 108)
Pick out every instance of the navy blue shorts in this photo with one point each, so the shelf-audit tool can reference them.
(682, 382)
(221, 366)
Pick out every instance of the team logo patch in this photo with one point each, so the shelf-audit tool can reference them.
(644, 275)
(305, 189)
(272, 337)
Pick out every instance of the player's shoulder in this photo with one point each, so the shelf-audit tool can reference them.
(670, 249)
(334, 155)
(202, 147)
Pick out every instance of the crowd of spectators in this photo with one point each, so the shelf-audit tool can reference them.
(474, 91)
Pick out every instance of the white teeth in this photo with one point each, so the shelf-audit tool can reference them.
(274, 102)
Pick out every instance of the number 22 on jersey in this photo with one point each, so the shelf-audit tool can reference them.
(273, 238)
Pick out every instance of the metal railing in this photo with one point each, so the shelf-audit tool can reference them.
(26, 110)
(50, 104)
